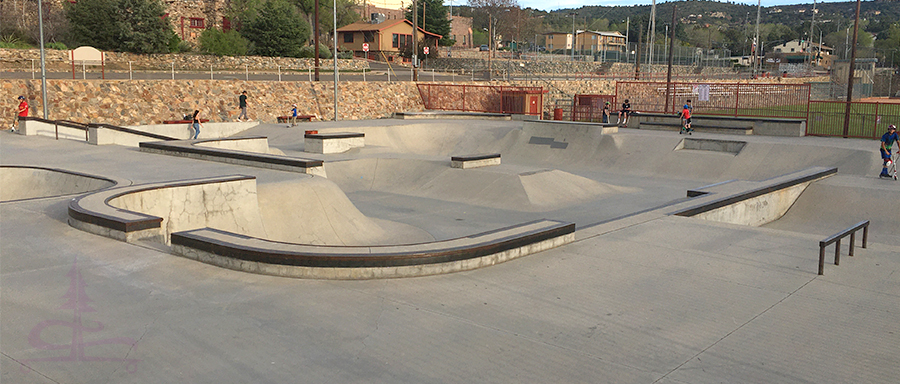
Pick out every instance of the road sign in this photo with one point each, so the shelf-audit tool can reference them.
(365, 47)
(425, 49)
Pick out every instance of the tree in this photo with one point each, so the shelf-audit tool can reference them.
(94, 23)
(276, 30)
(120, 25)
(142, 27)
(433, 15)
(495, 13)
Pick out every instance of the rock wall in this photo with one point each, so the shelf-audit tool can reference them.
(57, 60)
(140, 102)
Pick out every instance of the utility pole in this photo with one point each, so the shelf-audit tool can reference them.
(316, 40)
(574, 39)
(637, 59)
(650, 35)
(627, 26)
(756, 39)
(671, 56)
(851, 69)
(809, 41)
(44, 100)
(415, 42)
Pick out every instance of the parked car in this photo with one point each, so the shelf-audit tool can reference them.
(484, 47)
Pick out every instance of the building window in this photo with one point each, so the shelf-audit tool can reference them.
(368, 37)
(401, 41)
(348, 37)
(395, 41)
(197, 22)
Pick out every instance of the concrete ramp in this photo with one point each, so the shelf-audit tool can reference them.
(315, 211)
(21, 182)
(505, 187)
(829, 206)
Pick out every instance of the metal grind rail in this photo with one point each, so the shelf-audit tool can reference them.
(836, 238)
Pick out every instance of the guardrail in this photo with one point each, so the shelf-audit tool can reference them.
(836, 238)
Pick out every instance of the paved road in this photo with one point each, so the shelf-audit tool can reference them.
(378, 73)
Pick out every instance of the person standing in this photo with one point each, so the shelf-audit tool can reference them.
(293, 115)
(686, 118)
(887, 141)
(195, 123)
(21, 111)
(242, 104)
(606, 113)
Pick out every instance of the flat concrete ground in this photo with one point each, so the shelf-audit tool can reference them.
(661, 300)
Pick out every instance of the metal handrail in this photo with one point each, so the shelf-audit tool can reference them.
(836, 238)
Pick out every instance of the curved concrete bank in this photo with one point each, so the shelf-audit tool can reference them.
(237, 241)
(249, 254)
(26, 182)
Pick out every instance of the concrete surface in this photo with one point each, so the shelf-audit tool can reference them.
(640, 296)
(18, 183)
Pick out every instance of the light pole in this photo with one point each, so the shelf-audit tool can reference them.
(573, 14)
(43, 66)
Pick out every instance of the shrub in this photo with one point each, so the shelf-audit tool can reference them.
(309, 52)
(216, 42)
(277, 30)
(56, 45)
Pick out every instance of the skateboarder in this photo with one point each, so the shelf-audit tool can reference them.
(195, 123)
(293, 115)
(887, 141)
(686, 118)
(21, 111)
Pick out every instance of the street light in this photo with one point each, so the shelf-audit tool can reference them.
(573, 14)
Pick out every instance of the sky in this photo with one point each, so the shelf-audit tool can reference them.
(559, 4)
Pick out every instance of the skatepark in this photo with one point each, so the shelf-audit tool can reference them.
(629, 288)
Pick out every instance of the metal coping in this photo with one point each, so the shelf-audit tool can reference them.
(475, 157)
(231, 154)
(335, 135)
(688, 212)
(372, 260)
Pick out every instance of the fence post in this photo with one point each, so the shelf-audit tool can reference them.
(364, 75)
(279, 73)
(173, 70)
(246, 72)
(130, 76)
(210, 72)
(32, 69)
(875, 123)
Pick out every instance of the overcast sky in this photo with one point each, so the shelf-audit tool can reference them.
(558, 4)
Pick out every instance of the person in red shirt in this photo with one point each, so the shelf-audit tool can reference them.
(21, 112)
(686, 118)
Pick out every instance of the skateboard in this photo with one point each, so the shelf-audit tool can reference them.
(686, 130)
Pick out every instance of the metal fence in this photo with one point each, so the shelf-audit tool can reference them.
(867, 119)
(772, 100)
(482, 98)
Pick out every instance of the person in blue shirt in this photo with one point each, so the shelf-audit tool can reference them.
(293, 115)
(887, 141)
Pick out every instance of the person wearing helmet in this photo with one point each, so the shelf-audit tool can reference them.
(686, 118)
(606, 112)
(21, 112)
(887, 141)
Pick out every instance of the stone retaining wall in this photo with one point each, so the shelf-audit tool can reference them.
(56, 60)
(140, 102)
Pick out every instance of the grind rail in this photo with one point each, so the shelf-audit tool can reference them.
(836, 238)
